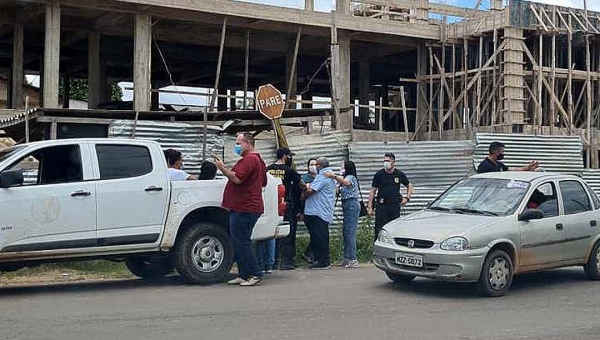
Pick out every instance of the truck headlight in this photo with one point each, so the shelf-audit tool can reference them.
(455, 243)
(384, 237)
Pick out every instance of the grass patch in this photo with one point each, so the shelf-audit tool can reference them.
(79, 270)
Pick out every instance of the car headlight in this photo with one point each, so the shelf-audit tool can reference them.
(455, 243)
(384, 237)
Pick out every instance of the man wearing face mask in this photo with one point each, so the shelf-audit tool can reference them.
(492, 162)
(286, 247)
(243, 198)
(385, 197)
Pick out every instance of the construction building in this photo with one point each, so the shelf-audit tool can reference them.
(397, 70)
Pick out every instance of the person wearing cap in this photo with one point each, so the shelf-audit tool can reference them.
(385, 197)
(283, 249)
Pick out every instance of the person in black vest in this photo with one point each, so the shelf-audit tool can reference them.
(492, 162)
(385, 197)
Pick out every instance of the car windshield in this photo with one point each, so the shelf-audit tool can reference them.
(5, 153)
(484, 196)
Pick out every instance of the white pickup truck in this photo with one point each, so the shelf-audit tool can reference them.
(80, 199)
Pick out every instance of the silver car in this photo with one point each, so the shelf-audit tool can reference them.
(489, 227)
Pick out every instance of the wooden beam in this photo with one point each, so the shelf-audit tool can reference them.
(17, 67)
(291, 86)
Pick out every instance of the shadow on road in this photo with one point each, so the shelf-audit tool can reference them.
(526, 283)
(87, 286)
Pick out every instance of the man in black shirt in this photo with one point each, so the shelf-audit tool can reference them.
(282, 168)
(385, 193)
(492, 162)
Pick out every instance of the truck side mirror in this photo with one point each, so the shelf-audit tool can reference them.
(11, 178)
(531, 214)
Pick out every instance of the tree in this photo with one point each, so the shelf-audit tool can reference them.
(79, 90)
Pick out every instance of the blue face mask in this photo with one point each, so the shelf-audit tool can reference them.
(237, 149)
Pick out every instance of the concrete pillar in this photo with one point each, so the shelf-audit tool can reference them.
(52, 55)
(309, 5)
(342, 7)
(17, 68)
(421, 12)
(514, 97)
(94, 71)
(346, 114)
(141, 62)
(496, 5)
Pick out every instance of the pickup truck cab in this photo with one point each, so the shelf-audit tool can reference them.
(112, 199)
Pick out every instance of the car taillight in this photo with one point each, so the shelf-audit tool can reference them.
(281, 205)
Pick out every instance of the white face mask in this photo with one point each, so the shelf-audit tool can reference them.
(342, 171)
(312, 169)
(387, 165)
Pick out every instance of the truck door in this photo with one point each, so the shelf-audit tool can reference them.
(55, 206)
(132, 194)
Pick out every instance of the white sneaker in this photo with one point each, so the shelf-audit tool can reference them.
(252, 281)
(351, 264)
(236, 281)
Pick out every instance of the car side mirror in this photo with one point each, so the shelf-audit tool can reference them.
(531, 214)
(11, 178)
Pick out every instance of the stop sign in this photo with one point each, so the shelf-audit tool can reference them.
(269, 101)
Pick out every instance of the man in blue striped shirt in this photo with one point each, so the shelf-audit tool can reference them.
(318, 213)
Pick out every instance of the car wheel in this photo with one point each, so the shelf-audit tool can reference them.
(592, 267)
(399, 278)
(204, 254)
(496, 275)
(149, 268)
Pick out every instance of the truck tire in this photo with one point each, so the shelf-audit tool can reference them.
(204, 253)
(149, 268)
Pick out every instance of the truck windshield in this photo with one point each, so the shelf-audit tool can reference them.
(5, 153)
(485, 196)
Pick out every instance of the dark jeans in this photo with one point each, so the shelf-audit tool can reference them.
(287, 246)
(240, 227)
(319, 238)
(385, 213)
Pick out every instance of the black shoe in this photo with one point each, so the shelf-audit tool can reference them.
(287, 267)
(319, 266)
(307, 258)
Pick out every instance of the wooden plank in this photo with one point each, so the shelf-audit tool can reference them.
(537, 16)
(292, 74)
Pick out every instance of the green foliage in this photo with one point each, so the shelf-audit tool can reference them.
(364, 243)
(79, 90)
(96, 268)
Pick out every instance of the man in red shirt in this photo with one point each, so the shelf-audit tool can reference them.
(243, 198)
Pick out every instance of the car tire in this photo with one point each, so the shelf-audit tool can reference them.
(400, 278)
(204, 253)
(149, 268)
(592, 266)
(496, 275)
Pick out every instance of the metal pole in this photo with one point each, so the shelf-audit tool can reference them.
(213, 99)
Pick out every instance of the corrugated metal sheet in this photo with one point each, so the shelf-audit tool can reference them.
(6, 121)
(555, 153)
(592, 177)
(426, 164)
(185, 137)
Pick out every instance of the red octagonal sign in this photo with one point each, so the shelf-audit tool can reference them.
(270, 101)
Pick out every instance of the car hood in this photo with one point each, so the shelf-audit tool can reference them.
(437, 226)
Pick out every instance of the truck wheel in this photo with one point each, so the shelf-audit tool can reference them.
(149, 268)
(497, 274)
(592, 267)
(204, 253)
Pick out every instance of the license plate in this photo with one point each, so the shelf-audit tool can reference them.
(409, 260)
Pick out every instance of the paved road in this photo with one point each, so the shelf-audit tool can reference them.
(336, 304)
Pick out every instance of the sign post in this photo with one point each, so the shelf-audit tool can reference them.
(270, 103)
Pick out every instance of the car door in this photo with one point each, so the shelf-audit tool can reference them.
(580, 220)
(132, 192)
(540, 238)
(55, 207)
